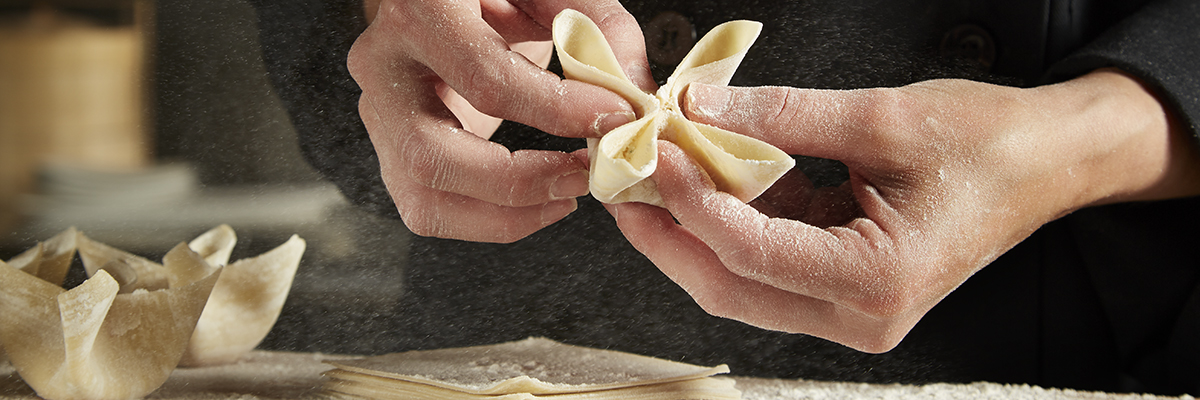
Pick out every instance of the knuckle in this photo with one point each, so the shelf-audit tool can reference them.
(357, 61)
(405, 18)
(423, 164)
(785, 101)
(884, 305)
(520, 192)
(875, 110)
(890, 115)
(416, 216)
(417, 225)
(745, 261)
(716, 305)
(895, 126)
(889, 297)
(427, 171)
(876, 341)
(485, 89)
(508, 235)
(616, 18)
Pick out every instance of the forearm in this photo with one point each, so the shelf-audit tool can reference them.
(1153, 46)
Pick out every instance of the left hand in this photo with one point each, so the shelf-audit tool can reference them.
(436, 78)
(945, 176)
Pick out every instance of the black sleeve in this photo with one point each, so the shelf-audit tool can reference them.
(1160, 44)
(305, 44)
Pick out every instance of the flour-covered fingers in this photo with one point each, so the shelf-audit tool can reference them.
(858, 266)
(442, 214)
(438, 155)
(453, 41)
(845, 125)
(694, 266)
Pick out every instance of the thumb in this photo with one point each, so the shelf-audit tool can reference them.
(834, 124)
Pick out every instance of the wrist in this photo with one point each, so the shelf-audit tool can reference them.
(1125, 145)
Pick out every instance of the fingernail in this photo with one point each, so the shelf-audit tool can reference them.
(607, 122)
(707, 99)
(570, 185)
(556, 210)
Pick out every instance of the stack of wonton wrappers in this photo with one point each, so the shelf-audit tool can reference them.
(123, 331)
(534, 368)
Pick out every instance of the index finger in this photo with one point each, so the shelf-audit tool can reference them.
(695, 267)
(843, 265)
(834, 124)
(620, 29)
(469, 55)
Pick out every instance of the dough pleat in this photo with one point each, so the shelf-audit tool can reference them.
(624, 158)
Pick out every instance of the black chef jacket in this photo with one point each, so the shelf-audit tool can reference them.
(1106, 298)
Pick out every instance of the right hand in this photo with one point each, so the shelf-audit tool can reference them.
(945, 176)
(437, 76)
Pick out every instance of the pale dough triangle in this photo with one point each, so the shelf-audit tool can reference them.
(623, 159)
(244, 304)
(48, 261)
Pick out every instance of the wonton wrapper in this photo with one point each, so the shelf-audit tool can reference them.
(357, 386)
(623, 159)
(93, 342)
(216, 245)
(246, 301)
(534, 366)
(48, 260)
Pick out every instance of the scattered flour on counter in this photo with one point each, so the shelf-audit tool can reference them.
(774, 389)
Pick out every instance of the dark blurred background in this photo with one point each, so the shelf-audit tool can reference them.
(145, 123)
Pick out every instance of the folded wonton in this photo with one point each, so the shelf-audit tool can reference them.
(109, 337)
(122, 332)
(623, 159)
(245, 303)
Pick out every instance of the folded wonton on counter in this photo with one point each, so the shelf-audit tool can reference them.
(106, 338)
(529, 369)
(121, 332)
(624, 158)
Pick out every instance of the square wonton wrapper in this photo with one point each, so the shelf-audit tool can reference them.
(527, 369)
(624, 158)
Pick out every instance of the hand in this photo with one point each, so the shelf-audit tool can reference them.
(945, 176)
(438, 75)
